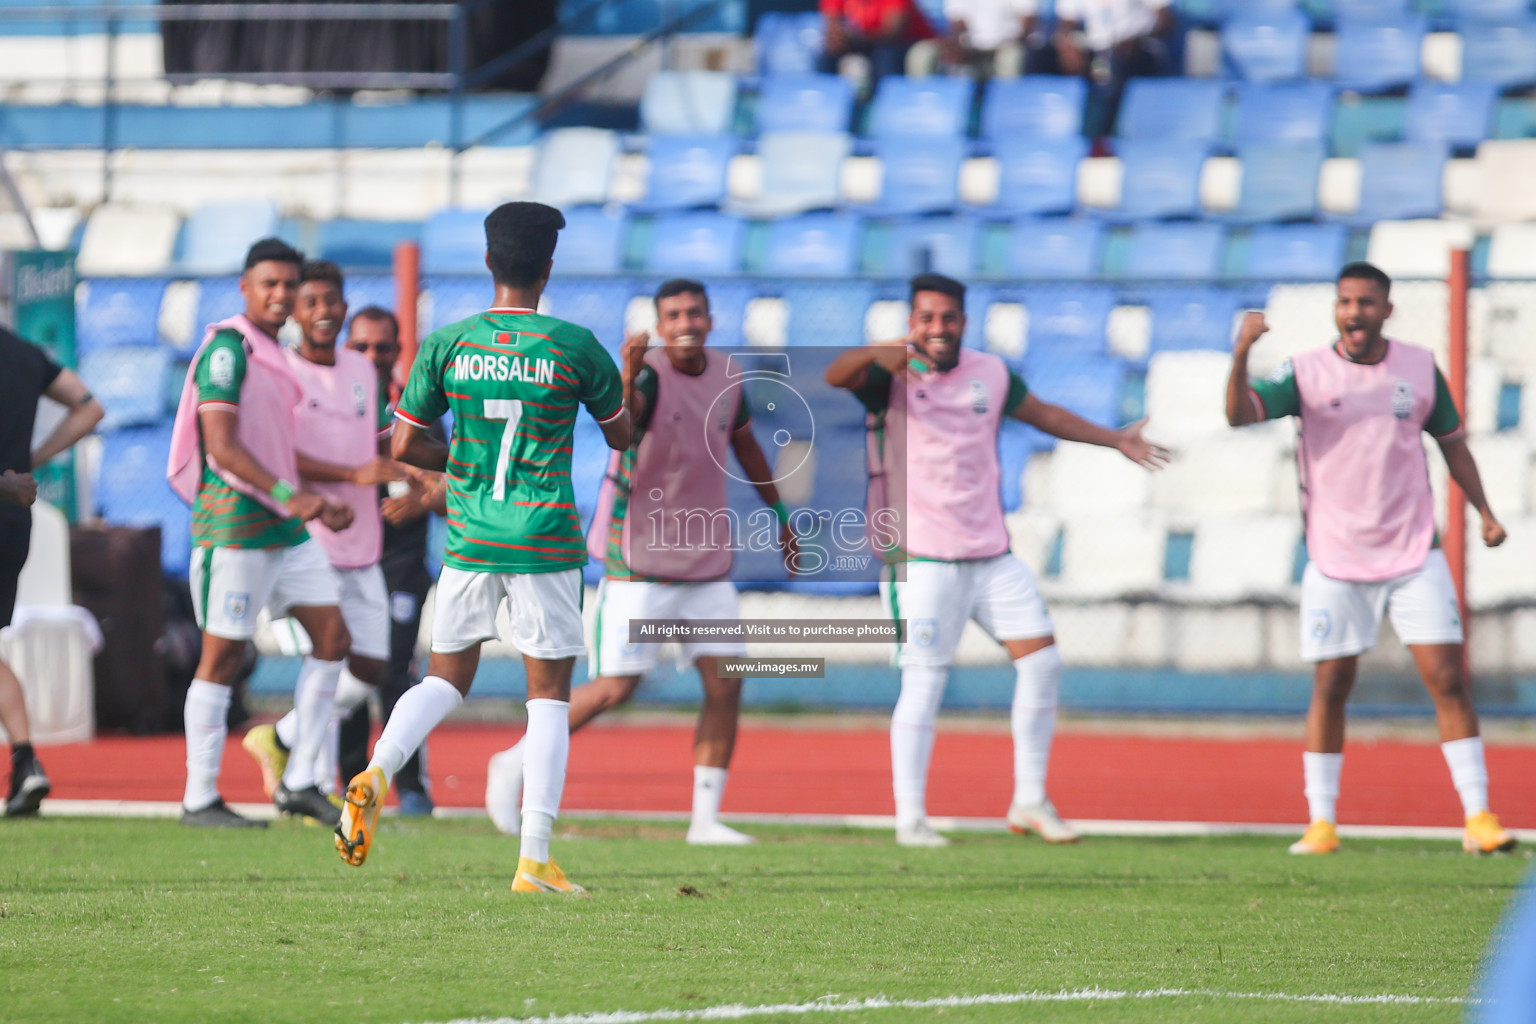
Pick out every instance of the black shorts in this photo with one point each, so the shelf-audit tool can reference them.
(15, 539)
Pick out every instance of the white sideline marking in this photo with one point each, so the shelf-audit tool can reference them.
(1087, 827)
(829, 1004)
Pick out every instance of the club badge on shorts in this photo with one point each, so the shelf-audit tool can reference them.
(1320, 624)
(402, 606)
(236, 605)
(925, 632)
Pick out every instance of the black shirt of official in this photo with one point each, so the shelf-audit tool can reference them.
(26, 372)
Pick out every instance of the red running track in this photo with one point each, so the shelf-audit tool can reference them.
(792, 769)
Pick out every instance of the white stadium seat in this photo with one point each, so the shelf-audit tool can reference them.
(1417, 248)
(1085, 479)
(1240, 558)
(1512, 251)
(1503, 574)
(1338, 185)
(1186, 395)
(1112, 555)
(1300, 317)
(1504, 463)
(122, 240)
(1508, 168)
(1223, 474)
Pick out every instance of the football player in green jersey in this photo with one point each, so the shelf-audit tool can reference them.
(514, 381)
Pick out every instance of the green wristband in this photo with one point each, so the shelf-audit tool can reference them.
(782, 512)
(281, 491)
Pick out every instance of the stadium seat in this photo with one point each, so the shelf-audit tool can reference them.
(827, 315)
(1243, 558)
(1279, 181)
(1169, 109)
(1375, 10)
(688, 103)
(695, 244)
(363, 243)
(1087, 479)
(575, 166)
(1507, 167)
(1162, 179)
(814, 245)
(131, 490)
(215, 237)
(788, 44)
(1193, 318)
(1459, 115)
(687, 171)
(1267, 46)
(1282, 111)
(1400, 181)
(1296, 252)
(1372, 55)
(592, 241)
(728, 309)
(364, 290)
(932, 107)
(1417, 248)
(218, 299)
(804, 103)
(1055, 247)
(453, 242)
(128, 240)
(1033, 107)
(923, 178)
(1177, 251)
(595, 303)
(1501, 53)
(118, 311)
(1113, 555)
(130, 381)
(800, 171)
(1066, 324)
(454, 298)
(1512, 251)
(1489, 11)
(943, 245)
(1038, 175)
(1183, 395)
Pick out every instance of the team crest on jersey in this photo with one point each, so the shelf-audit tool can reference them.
(359, 398)
(978, 397)
(1320, 624)
(221, 368)
(1402, 399)
(236, 605)
(925, 632)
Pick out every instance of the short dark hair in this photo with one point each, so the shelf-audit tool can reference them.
(1363, 271)
(520, 241)
(321, 270)
(941, 284)
(682, 286)
(380, 315)
(272, 250)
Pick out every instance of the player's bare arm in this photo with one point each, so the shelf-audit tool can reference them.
(631, 362)
(84, 413)
(749, 454)
(1069, 426)
(428, 493)
(413, 446)
(1463, 470)
(1242, 408)
(223, 445)
(619, 430)
(381, 470)
(850, 369)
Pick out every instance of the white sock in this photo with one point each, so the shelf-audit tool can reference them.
(417, 713)
(288, 727)
(1321, 773)
(546, 747)
(350, 692)
(314, 698)
(708, 788)
(1035, 694)
(206, 712)
(922, 690)
(1469, 772)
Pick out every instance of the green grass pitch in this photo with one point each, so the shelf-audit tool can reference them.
(133, 920)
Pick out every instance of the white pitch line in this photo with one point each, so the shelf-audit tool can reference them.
(830, 1004)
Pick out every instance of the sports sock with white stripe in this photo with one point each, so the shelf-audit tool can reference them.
(1033, 720)
(1469, 772)
(1321, 773)
(708, 789)
(546, 748)
(205, 714)
(912, 722)
(416, 713)
(314, 697)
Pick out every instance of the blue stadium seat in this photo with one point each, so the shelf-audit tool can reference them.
(1066, 322)
(805, 103)
(1190, 318)
(933, 106)
(1267, 47)
(364, 290)
(1162, 179)
(1490, 11)
(1279, 181)
(788, 44)
(827, 315)
(130, 380)
(695, 244)
(1033, 106)
(688, 103)
(1501, 53)
(1376, 55)
(1296, 252)
(1368, 9)
(453, 242)
(814, 245)
(943, 245)
(1038, 175)
(800, 171)
(1087, 383)
(592, 241)
(457, 297)
(598, 304)
(1190, 250)
(575, 166)
(131, 490)
(119, 311)
(1282, 111)
(1400, 181)
(728, 308)
(1167, 109)
(919, 178)
(1055, 247)
(218, 299)
(687, 171)
(978, 304)
(215, 237)
(1459, 115)
(364, 243)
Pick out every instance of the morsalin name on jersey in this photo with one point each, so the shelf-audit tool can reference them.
(489, 367)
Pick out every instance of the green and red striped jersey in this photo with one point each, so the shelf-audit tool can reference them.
(512, 380)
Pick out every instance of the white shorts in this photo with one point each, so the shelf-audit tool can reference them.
(365, 610)
(618, 601)
(1340, 618)
(937, 599)
(544, 609)
(231, 585)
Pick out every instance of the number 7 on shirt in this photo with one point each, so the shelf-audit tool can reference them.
(510, 410)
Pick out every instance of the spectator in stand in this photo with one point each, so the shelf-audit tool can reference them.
(881, 30)
(1110, 41)
(991, 37)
